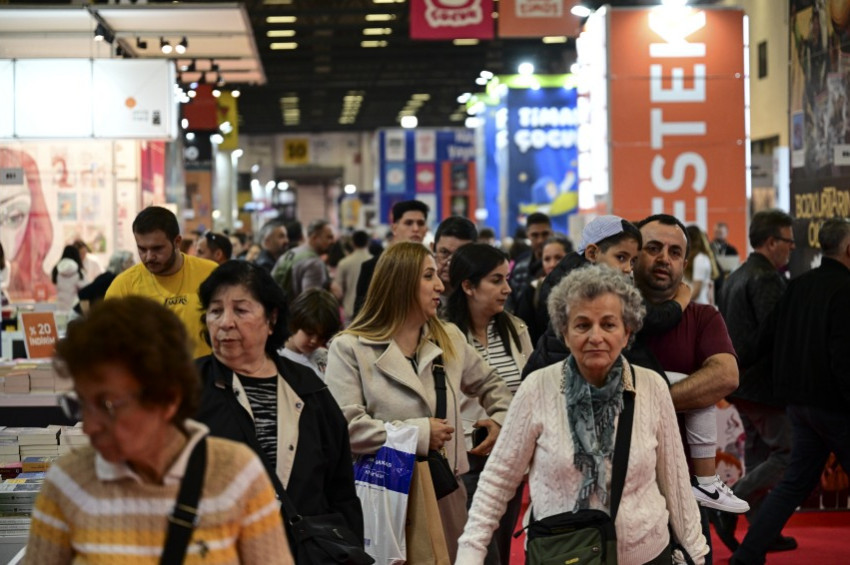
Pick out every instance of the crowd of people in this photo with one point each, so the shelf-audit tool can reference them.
(283, 361)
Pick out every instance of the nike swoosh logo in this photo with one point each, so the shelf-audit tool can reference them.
(712, 495)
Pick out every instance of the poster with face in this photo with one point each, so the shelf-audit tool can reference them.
(52, 193)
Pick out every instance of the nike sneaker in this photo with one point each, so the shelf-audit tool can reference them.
(718, 496)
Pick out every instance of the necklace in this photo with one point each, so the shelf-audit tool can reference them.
(157, 285)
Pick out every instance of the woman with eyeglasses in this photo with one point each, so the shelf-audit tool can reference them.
(115, 498)
(276, 406)
(384, 369)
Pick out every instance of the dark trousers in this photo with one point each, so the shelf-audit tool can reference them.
(814, 433)
(766, 452)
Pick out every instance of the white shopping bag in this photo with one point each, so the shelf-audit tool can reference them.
(382, 482)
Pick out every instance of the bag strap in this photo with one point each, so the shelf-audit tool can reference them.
(620, 462)
(439, 373)
(184, 517)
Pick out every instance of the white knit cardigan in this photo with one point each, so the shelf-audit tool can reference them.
(536, 433)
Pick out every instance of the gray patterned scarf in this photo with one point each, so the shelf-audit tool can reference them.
(591, 413)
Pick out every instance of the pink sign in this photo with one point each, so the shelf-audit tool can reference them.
(451, 19)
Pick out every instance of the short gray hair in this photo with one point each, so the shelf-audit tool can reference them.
(119, 261)
(317, 225)
(588, 283)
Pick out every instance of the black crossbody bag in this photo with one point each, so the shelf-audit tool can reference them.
(442, 475)
(587, 536)
(184, 517)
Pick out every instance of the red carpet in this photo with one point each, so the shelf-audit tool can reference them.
(823, 539)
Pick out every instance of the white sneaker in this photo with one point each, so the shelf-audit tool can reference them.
(718, 496)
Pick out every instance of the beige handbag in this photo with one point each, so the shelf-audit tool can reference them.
(426, 542)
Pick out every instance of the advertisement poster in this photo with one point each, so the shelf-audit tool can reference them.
(54, 193)
(672, 151)
(542, 155)
(537, 18)
(451, 19)
(412, 179)
(820, 122)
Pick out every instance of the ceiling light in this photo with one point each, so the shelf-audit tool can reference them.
(464, 98)
(141, 43)
(580, 11)
(379, 17)
(235, 93)
(350, 189)
(472, 122)
(280, 33)
(190, 136)
(487, 75)
(281, 19)
(525, 68)
(284, 45)
(192, 94)
(409, 122)
(373, 43)
(555, 39)
(461, 42)
(377, 31)
(216, 92)
(481, 81)
(165, 46)
(421, 96)
(217, 139)
(182, 46)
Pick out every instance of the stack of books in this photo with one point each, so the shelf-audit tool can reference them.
(42, 377)
(71, 437)
(36, 464)
(17, 497)
(16, 382)
(10, 470)
(9, 450)
(34, 442)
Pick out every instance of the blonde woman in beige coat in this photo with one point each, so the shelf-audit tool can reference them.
(380, 370)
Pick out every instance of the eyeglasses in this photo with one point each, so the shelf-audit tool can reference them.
(444, 254)
(785, 239)
(75, 407)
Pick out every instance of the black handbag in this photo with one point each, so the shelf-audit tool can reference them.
(442, 475)
(587, 536)
(324, 538)
(184, 516)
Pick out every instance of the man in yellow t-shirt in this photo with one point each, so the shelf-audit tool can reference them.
(165, 274)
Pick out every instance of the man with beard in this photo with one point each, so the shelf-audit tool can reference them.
(165, 274)
(698, 349)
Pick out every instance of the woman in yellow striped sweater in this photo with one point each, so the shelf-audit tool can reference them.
(135, 387)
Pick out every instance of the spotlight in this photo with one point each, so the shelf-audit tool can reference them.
(235, 93)
(141, 43)
(101, 33)
(165, 46)
(181, 47)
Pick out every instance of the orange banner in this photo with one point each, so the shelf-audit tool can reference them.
(677, 115)
(39, 334)
(538, 18)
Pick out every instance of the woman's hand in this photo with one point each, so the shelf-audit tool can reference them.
(441, 432)
(683, 295)
(486, 446)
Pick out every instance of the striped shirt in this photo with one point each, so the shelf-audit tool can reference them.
(262, 396)
(80, 517)
(498, 358)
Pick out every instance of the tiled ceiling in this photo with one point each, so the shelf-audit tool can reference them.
(320, 76)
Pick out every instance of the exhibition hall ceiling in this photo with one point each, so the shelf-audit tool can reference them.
(300, 65)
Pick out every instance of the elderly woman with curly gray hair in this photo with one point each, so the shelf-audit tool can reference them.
(561, 426)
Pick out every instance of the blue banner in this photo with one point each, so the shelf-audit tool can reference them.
(542, 155)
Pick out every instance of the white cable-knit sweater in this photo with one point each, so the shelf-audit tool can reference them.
(536, 434)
